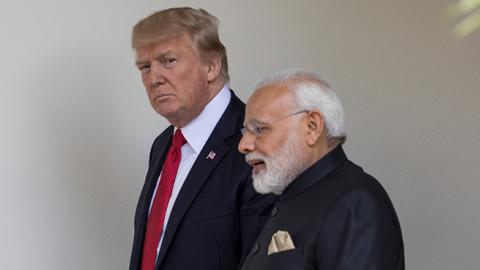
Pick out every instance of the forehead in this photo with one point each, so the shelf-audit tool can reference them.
(269, 102)
(176, 44)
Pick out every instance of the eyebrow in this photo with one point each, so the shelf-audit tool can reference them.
(254, 121)
(139, 62)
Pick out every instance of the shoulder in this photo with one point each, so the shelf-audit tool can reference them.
(362, 218)
(351, 191)
(164, 137)
(355, 180)
(160, 142)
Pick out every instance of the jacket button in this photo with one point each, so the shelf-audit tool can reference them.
(255, 248)
(274, 211)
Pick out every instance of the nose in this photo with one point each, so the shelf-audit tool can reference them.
(246, 144)
(156, 75)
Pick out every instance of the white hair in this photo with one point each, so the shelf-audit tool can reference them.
(313, 93)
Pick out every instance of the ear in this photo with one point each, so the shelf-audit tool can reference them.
(213, 67)
(315, 127)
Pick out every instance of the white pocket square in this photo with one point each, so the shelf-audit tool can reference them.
(281, 241)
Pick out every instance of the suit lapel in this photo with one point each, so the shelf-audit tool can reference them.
(201, 169)
(156, 163)
(153, 178)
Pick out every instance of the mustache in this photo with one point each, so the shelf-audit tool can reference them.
(252, 156)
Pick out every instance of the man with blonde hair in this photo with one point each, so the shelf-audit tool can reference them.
(197, 208)
(330, 214)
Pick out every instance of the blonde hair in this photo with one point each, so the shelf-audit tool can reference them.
(201, 26)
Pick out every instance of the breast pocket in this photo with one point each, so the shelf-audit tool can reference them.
(290, 259)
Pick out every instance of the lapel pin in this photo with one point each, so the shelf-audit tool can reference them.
(211, 155)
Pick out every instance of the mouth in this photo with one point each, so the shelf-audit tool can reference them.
(257, 165)
(162, 97)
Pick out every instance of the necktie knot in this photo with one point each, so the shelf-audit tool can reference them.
(178, 139)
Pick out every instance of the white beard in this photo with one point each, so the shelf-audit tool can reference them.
(280, 169)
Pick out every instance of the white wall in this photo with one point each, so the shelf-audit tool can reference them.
(76, 126)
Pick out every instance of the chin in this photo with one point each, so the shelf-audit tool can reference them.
(168, 112)
(265, 183)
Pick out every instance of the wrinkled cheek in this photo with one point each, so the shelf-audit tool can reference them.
(151, 99)
(146, 82)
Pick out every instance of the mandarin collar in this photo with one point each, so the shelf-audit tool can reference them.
(315, 173)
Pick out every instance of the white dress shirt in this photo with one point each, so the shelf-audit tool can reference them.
(196, 133)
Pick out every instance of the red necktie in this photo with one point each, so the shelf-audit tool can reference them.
(160, 202)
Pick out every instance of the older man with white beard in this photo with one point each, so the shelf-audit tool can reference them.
(330, 213)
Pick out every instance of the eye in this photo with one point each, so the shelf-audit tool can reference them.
(258, 130)
(144, 68)
(169, 62)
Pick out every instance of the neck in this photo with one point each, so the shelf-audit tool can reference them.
(215, 87)
(181, 120)
(320, 150)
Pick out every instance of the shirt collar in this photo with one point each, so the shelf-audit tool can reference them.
(199, 129)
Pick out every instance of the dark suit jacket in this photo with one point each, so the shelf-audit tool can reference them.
(338, 217)
(217, 214)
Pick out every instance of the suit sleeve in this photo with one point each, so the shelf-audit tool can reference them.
(361, 232)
